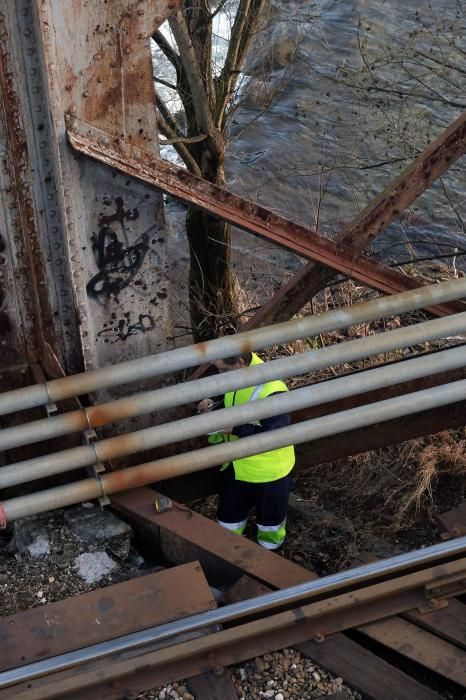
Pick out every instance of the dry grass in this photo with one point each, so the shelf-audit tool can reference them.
(391, 489)
(382, 502)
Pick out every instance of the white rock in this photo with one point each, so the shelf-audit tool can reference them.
(316, 676)
(279, 696)
(39, 548)
(51, 579)
(40, 594)
(93, 566)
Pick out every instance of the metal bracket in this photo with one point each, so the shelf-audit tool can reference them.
(449, 586)
(40, 378)
(104, 499)
(319, 638)
(96, 469)
(432, 604)
(457, 531)
(437, 591)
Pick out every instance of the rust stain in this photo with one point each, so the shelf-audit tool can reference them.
(17, 163)
(98, 416)
(131, 478)
(201, 348)
(106, 413)
(102, 88)
(247, 346)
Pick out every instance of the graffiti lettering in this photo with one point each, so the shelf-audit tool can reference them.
(118, 265)
(123, 329)
(118, 262)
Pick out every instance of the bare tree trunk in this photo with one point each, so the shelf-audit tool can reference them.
(201, 144)
(211, 280)
(211, 292)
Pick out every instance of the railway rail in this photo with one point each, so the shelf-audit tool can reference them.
(419, 590)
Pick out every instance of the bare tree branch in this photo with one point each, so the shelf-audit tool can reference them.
(169, 127)
(184, 139)
(200, 100)
(168, 50)
(164, 82)
(240, 40)
(179, 146)
(218, 9)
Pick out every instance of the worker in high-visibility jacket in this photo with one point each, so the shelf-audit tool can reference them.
(262, 481)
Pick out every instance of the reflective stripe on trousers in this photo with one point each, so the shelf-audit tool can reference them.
(271, 536)
(237, 528)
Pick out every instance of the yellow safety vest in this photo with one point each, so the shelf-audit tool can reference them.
(266, 466)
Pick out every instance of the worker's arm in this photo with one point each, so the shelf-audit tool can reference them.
(266, 424)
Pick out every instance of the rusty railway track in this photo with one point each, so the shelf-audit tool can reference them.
(185, 635)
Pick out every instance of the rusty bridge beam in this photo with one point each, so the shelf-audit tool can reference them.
(118, 153)
(370, 222)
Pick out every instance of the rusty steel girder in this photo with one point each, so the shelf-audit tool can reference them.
(119, 153)
(370, 222)
(24, 305)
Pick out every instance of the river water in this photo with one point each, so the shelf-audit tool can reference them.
(337, 97)
(361, 87)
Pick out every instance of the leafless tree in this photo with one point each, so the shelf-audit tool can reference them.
(197, 131)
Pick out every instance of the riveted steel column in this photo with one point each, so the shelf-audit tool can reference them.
(113, 225)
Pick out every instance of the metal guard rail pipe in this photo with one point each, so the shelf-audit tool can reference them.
(342, 581)
(186, 392)
(168, 433)
(191, 356)
(197, 460)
